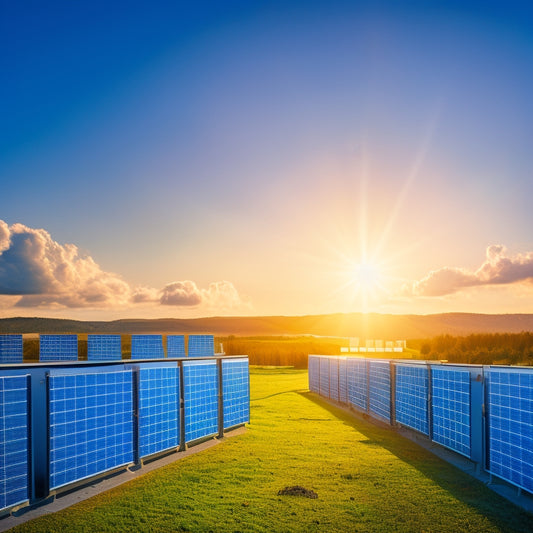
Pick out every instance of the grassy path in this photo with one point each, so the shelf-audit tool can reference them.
(366, 478)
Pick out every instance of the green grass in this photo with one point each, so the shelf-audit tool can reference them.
(367, 479)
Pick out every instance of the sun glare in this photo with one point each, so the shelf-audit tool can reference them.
(367, 275)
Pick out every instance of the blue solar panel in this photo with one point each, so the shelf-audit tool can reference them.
(200, 392)
(314, 373)
(175, 346)
(104, 348)
(158, 408)
(450, 392)
(147, 347)
(343, 382)
(10, 348)
(91, 423)
(357, 386)
(510, 420)
(201, 345)
(334, 378)
(236, 392)
(324, 377)
(58, 348)
(14, 440)
(412, 397)
(379, 400)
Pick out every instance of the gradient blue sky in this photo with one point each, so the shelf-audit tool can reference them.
(209, 158)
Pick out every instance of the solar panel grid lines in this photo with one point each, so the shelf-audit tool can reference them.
(380, 389)
(11, 349)
(510, 421)
(200, 392)
(14, 421)
(158, 409)
(147, 347)
(176, 346)
(91, 423)
(411, 400)
(343, 383)
(324, 377)
(314, 373)
(58, 347)
(357, 382)
(201, 345)
(334, 378)
(235, 392)
(104, 347)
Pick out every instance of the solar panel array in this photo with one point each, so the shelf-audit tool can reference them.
(201, 345)
(236, 392)
(357, 383)
(324, 377)
(379, 400)
(10, 348)
(450, 391)
(334, 379)
(343, 383)
(314, 373)
(58, 348)
(510, 416)
(176, 346)
(412, 397)
(200, 391)
(91, 423)
(14, 440)
(147, 347)
(158, 408)
(104, 348)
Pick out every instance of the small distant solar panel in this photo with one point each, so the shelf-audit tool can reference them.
(58, 348)
(11, 349)
(379, 400)
(104, 348)
(14, 421)
(158, 408)
(147, 347)
(201, 345)
(176, 346)
(200, 392)
(357, 382)
(235, 392)
(313, 365)
(450, 393)
(324, 377)
(510, 419)
(343, 383)
(91, 423)
(412, 397)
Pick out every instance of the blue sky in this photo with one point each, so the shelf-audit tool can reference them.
(265, 157)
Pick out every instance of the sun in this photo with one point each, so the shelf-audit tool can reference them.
(366, 275)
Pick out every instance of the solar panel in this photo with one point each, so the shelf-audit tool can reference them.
(357, 386)
(11, 349)
(104, 348)
(334, 378)
(158, 408)
(58, 347)
(176, 346)
(324, 377)
(510, 419)
(200, 392)
(412, 397)
(236, 392)
(91, 423)
(450, 392)
(313, 365)
(147, 347)
(201, 345)
(14, 440)
(379, 400)
(343, 383)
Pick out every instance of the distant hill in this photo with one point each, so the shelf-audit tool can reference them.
(378, 326)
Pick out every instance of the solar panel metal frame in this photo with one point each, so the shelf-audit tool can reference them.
(147, 347)
(58, 347)
(235, 392)
(104, 347)
(411, 398)
(176, 346)
(11, 348)
(201, 346)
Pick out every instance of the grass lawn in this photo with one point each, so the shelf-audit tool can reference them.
(367, 479)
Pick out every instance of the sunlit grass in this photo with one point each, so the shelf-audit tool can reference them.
(367, 479)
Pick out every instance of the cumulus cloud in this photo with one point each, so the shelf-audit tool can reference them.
(40, 272)
(499, 268)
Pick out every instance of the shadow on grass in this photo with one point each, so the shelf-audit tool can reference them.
(503, 514)
(295, 391)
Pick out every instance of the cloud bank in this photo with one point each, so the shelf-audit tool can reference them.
(44, 273)
(498, 269)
